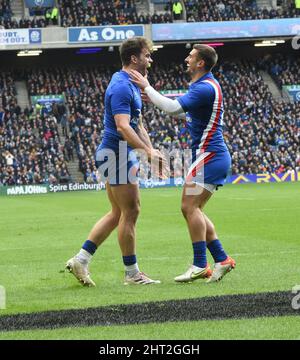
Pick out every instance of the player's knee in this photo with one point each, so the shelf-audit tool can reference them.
(135, 211)
(132, 213)
(186, 209)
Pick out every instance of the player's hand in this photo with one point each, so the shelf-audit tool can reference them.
(141, 81)
(159, 165)
(145, 97)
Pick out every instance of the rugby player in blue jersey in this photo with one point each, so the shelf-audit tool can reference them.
(118, 165)
(211, 161)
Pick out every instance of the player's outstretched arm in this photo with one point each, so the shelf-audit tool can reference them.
(163, 103)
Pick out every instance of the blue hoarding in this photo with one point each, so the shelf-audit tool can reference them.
(225, 30)
(39, 3)
(289, 176)
(293, 175)
(102, 34)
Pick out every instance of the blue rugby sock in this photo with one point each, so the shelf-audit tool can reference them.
(129, 260)
(131, 266)
(199, 248)
(217, 251)
(90, 247)
(86, 252)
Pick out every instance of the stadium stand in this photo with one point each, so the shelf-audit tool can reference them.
(284, 70)
(90, 13)
(84, 90)
(261, 133)
(8, 21)
(30, 149)
(6, 14)
(228, 10)
(124, 12)
(5, 9)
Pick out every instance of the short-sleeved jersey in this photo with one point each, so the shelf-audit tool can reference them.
(203, 105)
(122, 96)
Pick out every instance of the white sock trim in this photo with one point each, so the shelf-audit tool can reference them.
(84, 257)
(132, 269)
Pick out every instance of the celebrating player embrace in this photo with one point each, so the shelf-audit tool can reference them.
(203, 105)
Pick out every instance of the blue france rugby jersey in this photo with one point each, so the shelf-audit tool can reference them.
(203, 105)
(121, 97)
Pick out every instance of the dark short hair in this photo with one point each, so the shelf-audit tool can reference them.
(133, 46)
(207, 54)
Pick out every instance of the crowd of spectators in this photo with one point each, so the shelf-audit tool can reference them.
(118, 12)
(229, 10)
(30, 148)
(91, 13)
(284, 70)
(84, 90)
(5, 9)
(9, 22)
(261, 133)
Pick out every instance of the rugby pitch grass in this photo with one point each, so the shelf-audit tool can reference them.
(258, 226)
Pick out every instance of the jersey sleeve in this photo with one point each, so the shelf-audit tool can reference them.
(120, 99)
(199, 96)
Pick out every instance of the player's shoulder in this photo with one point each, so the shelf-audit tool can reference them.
(202, 86)
(120, 83)
(208, 86)
(210, 82)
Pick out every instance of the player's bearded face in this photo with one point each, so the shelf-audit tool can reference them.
(144, 61)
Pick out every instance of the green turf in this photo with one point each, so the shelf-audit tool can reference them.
(263, 328)
(256, 223)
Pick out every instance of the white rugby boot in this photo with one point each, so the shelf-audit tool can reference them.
(221, 269)
(139, 278)
(80, 271)
(194, 273)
